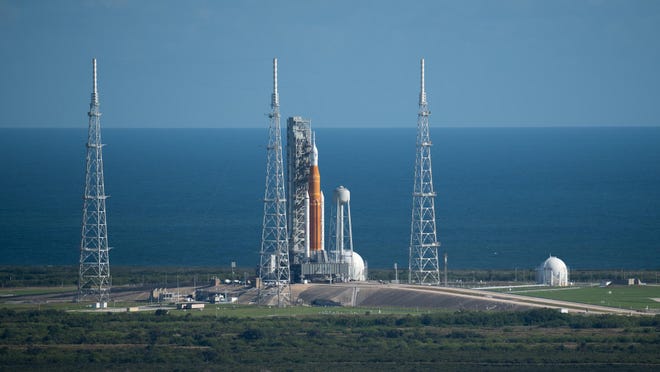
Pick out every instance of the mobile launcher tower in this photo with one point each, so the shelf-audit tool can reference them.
(298, 150)
(306, 215)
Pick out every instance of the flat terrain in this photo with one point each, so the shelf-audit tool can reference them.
(373, 295)
(377, 326)
(410, 296)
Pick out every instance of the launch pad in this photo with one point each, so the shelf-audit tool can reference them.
(293, 239)
(309, 258)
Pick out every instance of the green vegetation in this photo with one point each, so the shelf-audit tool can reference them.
(625, 297)
(32, 276)
(156, 276)
(250, 311)
(35, 291)
(471, 277)
(537, 339)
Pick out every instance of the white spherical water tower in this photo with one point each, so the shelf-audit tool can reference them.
(343, 235)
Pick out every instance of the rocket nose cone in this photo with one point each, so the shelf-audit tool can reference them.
(315, 155)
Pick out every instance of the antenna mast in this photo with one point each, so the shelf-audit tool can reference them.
(274, 255)
(423, 267)
(94, 274)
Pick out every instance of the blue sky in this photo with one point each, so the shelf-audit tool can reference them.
(342, 63)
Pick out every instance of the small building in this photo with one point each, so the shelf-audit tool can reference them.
(101, 305)
(629, 281)
(190, 306)
(162, 295)
(552, 272)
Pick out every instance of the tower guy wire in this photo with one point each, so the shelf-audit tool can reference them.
(274, 269)
(94, 280)
(423, 267)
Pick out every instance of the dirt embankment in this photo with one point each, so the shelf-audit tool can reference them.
(396, 296)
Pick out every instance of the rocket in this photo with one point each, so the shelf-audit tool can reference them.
(315, 207)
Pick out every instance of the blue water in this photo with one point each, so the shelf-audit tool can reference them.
(507, 197)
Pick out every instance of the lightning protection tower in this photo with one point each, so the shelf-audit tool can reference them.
(423, 267)
(94, 274)
(274, 258)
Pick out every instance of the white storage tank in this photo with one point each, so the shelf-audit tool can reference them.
(552, 272)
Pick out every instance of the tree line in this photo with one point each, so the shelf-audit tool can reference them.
(539, 339)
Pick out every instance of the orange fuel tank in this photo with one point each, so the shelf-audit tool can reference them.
(315, 204)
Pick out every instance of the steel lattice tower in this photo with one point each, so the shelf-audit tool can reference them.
(94, 275)
(298, 150)
(274, 258)
(423, 267)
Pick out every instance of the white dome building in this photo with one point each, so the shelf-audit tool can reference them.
(357, 270)
(552, 272)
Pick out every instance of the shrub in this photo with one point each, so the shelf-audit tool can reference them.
(252, 334)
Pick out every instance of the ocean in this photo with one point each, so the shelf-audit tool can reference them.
(506, 197)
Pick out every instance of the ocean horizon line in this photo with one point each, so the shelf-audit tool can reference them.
(457, 126)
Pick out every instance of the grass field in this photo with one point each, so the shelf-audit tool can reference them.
(624, 297)
(9, 292)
